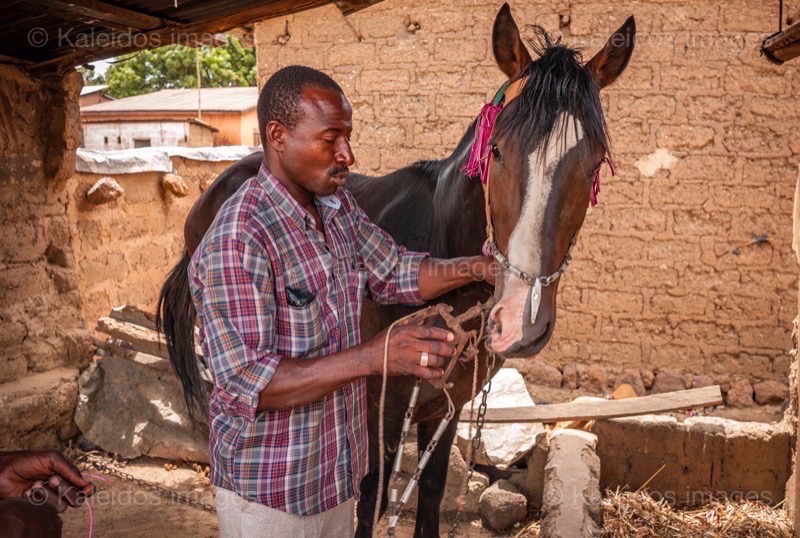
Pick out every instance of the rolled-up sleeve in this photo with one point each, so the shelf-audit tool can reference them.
(393, 270)
(233, 292)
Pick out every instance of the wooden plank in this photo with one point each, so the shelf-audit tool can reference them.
(104, 12)
(783, 46)
(139, 338)
(131, 314)
(656, 403)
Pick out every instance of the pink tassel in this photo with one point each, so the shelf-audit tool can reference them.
(478, 162)
(596, 181)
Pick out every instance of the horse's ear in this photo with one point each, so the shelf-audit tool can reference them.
(509, 50)
(610, 62)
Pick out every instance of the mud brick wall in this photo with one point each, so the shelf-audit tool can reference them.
(126, 247)
(43, 338)
(665, 290)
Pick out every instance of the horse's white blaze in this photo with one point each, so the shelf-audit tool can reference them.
(525, 245)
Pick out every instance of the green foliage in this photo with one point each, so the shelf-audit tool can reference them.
(174, 67)
(91, 77)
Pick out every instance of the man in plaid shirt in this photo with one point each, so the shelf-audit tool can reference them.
(278, 282)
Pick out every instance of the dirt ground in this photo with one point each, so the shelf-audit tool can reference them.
(124, 509)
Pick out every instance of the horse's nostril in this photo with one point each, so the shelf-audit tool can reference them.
(495, 324)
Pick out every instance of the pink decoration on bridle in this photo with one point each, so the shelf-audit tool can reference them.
(596, 181)
(478, 162)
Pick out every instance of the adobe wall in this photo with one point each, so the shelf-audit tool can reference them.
(43, 337)
(665, 290)
(125, 248)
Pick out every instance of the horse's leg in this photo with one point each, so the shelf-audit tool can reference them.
(434, 477)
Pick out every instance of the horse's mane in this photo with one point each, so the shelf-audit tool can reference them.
(557, 83)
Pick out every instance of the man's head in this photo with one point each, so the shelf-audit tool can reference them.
(305, 124)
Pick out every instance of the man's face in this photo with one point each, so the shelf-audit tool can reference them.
(316, 154)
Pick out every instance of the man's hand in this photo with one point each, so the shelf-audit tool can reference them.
(406, 346)
(43, 475)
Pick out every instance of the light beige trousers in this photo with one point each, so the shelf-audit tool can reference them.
(240, 518)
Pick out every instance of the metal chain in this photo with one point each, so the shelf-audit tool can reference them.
(529, 279)
(476, 439)
(175, 496)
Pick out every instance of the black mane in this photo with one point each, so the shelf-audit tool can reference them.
(557, 83)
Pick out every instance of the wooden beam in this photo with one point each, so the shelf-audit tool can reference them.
(107, 13)
(139, 338)
(179, 33)
(656, 403)
(131, 314)
(783, 46)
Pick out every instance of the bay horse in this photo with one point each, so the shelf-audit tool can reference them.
(541, 159)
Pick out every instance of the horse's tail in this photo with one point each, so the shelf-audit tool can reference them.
(175, 318)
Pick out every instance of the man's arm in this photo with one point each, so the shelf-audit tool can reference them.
(437, 277)
(234, 293)
(298, 382)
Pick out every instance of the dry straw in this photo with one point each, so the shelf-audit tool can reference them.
(637, 515)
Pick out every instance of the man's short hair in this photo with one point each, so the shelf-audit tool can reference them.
(280, 97)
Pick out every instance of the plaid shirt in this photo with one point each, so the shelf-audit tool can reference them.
(267, 284)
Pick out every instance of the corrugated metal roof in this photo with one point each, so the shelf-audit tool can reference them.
(184, 100)
(86, 90)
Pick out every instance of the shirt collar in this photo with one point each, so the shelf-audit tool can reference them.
(328, 206)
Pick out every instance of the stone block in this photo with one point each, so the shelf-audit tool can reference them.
(37, 409)
(175, 184)
(104, 191)
(740, 394)
(771, 392)
(572, 503)
(668, 382)
(502, 505)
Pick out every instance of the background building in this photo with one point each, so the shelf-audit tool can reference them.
(221, 117)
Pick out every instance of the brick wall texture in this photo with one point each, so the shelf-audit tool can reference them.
(665, 282)
(125, 248)
(43, 337)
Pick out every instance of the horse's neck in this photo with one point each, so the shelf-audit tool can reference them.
(428, 205)
(459, 218)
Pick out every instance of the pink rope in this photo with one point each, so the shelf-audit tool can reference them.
(88, 504)
(478, 161)
(91, 518)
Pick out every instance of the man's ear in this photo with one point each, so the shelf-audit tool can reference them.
(276, 135)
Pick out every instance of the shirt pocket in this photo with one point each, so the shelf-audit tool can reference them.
(305, 329)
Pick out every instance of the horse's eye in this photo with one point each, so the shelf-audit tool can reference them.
(496, 152)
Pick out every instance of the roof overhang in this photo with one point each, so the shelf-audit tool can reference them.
(53, 36)
(783, 46)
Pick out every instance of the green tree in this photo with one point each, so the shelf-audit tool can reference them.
(174, 67)
(91, 77)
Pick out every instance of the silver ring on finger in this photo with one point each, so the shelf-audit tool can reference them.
(423, 359)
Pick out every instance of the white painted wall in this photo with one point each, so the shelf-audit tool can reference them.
(122, 135)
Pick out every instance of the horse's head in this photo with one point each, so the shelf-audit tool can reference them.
(547, 144)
